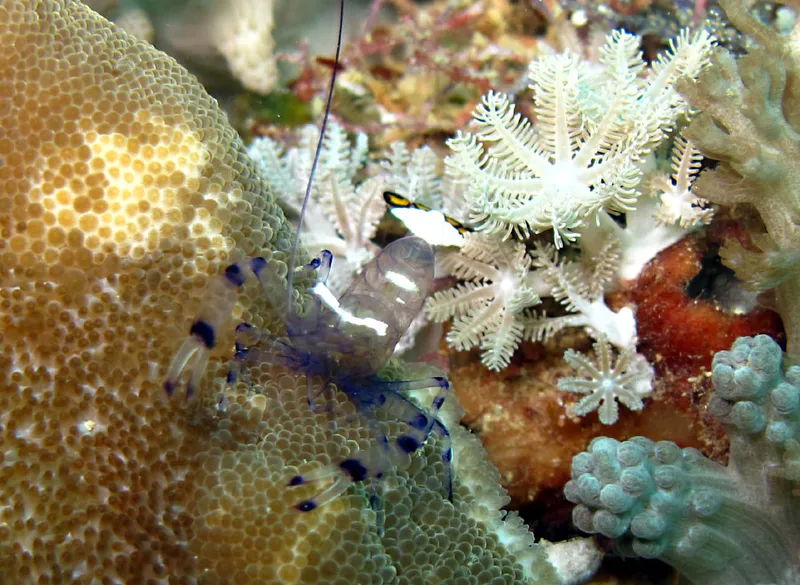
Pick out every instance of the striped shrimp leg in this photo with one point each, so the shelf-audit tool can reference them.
(421, 423)
(215, 313)
(274, 349)
(376, 461)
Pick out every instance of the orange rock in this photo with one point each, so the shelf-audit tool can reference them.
(681, 334)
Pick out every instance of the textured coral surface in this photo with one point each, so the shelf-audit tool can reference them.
(680, 334)
(123, 191)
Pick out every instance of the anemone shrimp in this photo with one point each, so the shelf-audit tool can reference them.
(345, 341)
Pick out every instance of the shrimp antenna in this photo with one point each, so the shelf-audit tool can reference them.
(316, 158)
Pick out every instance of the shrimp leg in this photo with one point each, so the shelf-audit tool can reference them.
(421, 423)
(374, 462)
(247, 336)
(360, 467)
(214, 313)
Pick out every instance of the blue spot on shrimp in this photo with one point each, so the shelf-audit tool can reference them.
(344, 341)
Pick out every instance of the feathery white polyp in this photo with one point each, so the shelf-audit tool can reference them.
(486, 309)
(627, 380)
(678, 205)
(594, 123)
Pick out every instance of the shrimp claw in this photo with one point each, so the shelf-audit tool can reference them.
(214, 313)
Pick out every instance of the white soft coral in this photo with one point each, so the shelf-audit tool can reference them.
(343, 211)
(487, 308)
(594, 125)
(580, 290)
(678, 204)
(663, 216)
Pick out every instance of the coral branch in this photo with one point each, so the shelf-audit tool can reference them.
(734, 526)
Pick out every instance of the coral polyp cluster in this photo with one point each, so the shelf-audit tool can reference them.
(123, 192)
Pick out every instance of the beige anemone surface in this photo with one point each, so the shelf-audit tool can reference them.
(122, 192)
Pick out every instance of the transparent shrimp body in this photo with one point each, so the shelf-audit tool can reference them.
(345, 341)
(360, 329)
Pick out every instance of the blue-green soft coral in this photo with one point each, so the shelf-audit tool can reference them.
(715, 524)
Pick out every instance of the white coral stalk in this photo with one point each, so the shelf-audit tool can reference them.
(581, 293)
(662, 217)
(642, 238)
(487, 308)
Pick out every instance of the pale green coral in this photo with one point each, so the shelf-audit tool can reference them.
(748, 119)
(734, 525)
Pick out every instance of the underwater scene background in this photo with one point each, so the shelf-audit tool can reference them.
(542, 325)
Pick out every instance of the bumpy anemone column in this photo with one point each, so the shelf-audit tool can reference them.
(123, 191)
